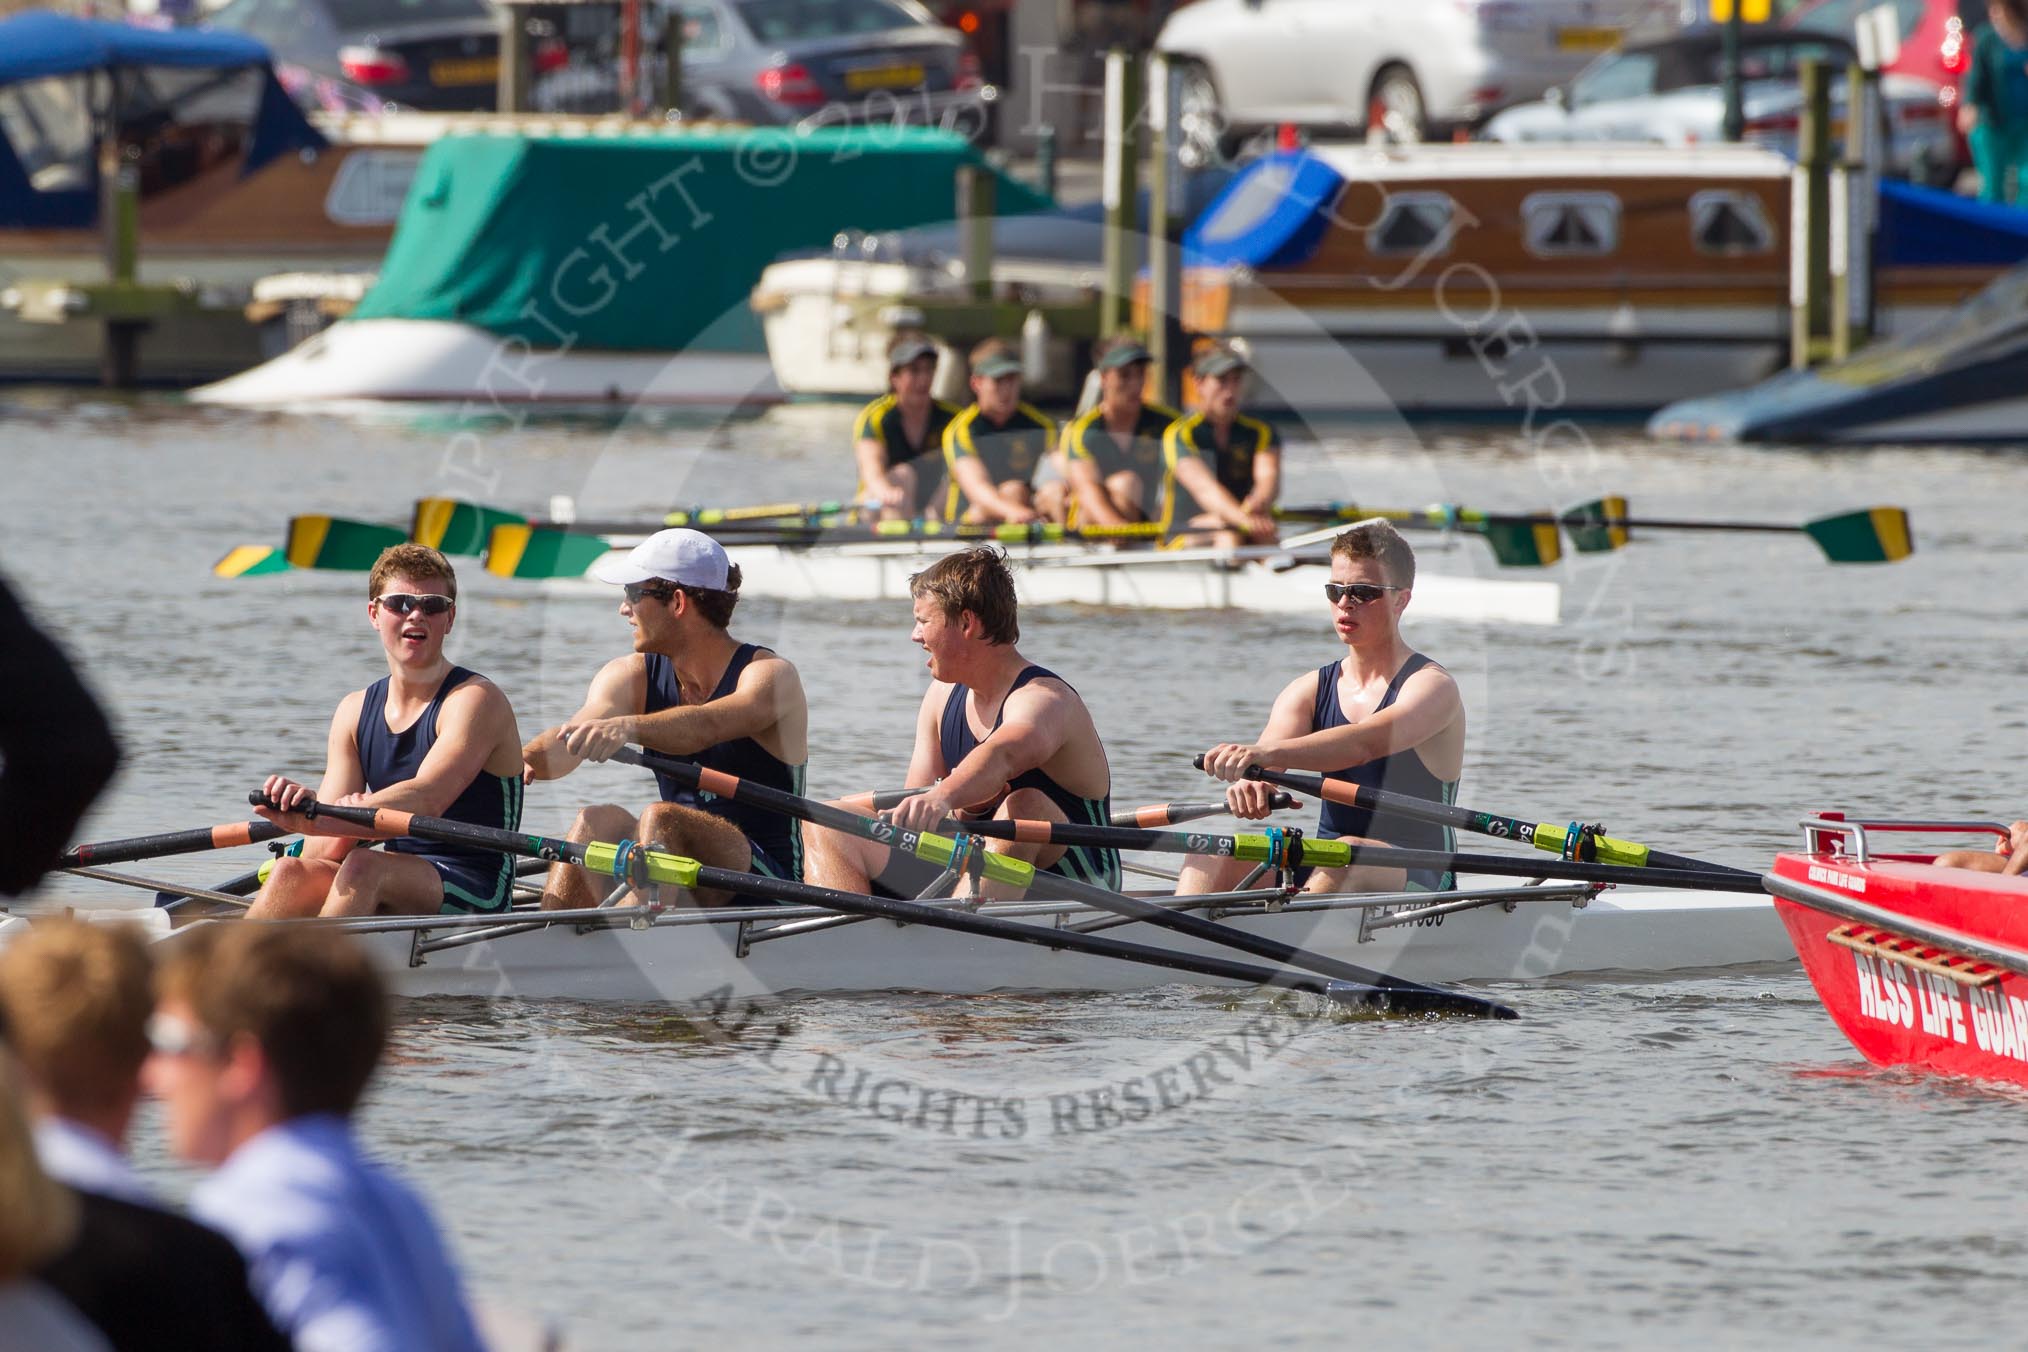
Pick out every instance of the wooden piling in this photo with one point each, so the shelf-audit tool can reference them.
(1119, 179)
(1810, 217)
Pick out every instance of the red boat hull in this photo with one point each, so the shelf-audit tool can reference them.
(1919, 966)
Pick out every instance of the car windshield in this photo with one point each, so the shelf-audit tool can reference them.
(1622, 75)
(355, 14)
(792, 20)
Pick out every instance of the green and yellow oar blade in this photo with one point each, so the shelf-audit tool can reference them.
(533, 552)
(1871, 535)
(336, 543)
(456, 527)
(251, 561)
(1597, 527)
(1524, 542)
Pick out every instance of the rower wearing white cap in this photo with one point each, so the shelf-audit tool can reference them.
(690, 690)
(898, 439)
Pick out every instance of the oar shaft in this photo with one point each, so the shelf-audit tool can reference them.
(1660, 523)
(1542, 835)
(689, 873)
(940, 849)
(124, 851)
(1256, 848)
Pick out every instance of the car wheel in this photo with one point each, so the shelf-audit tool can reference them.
(1394, 110)
(1202, 117)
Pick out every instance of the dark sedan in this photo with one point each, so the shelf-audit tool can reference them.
(826, 62)
(434, 54)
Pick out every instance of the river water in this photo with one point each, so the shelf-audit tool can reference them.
(1684, 1161)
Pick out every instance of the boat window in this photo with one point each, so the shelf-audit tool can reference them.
(1728, 223)
(1840, 18)
(1411, 223)
(1570, 224)
(701, 30)
(794, 20)
(49, 126)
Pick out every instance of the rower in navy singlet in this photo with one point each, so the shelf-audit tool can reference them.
(994, 734)
(1384, 715)
(428, 738)
(777, 840)
(474, 879)
(692, 692)
(956, 740)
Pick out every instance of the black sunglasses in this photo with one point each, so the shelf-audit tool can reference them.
(634, 591)
(401, 603)
(1360, 592)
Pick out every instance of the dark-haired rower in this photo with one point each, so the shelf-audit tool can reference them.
(693, 691)
(898, 439)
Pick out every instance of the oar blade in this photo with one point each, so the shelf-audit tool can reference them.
(333, 542)
(1870, 535)
(1597, 527)
(1527, 542)
(458, 528)
(251, 561)
(535, 553)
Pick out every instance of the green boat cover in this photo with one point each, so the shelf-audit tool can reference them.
(650, 243)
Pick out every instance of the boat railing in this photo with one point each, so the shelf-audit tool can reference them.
(1818, 830)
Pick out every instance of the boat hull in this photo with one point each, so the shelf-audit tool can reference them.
(700, 964)
(1919, 966)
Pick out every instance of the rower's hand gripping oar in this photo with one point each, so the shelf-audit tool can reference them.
(944, 851)
(1574, 842)
(627, 859)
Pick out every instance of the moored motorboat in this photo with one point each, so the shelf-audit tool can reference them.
(1919, 965)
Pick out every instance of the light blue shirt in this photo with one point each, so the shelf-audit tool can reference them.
(74, 1154)
(344, 1256)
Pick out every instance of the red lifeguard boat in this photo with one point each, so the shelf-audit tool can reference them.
(1918, 965)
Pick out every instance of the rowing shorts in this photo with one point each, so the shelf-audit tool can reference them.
(474, 884)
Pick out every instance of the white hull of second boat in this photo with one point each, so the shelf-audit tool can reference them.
(1184, 579)
(364, 361)
(694, 964)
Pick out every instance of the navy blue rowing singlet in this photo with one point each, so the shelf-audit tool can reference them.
(389, 757)
(778, 837)
(956, 741)
(1401, 772)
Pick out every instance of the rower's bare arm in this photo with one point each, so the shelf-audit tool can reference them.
(619, 689)
(1034, 723)
(1211, 495)
(873, 467)
(1267, 480)
(926, 762)
(343, 777)
(474, 724)
(1428, 705)
(2017, 861)
(1094, 504)
(978, 486)
(1289, 718)
(767, 700)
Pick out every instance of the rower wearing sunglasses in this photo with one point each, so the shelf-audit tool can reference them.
(430, 738)
(692, 691)
(1383, 715)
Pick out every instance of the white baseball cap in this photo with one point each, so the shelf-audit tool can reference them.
(686, 557)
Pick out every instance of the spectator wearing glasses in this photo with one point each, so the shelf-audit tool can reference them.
(694, 692)
(1383, 715)
(263, 1040)
(429, 738)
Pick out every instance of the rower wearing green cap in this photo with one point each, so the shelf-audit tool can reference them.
(1226, 467)
(898, 439)
(993, 448)
(1113, 452)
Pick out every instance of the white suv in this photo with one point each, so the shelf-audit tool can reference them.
(1405, 69)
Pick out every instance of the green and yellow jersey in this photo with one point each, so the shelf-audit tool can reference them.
(1010, 451)
(1088, 438)
(881, 421)
(1232, 462)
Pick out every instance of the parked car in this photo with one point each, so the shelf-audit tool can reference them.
(1936, 45)
(431, 54)
(1406, 69)
(828, 62)
(1672, 93)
